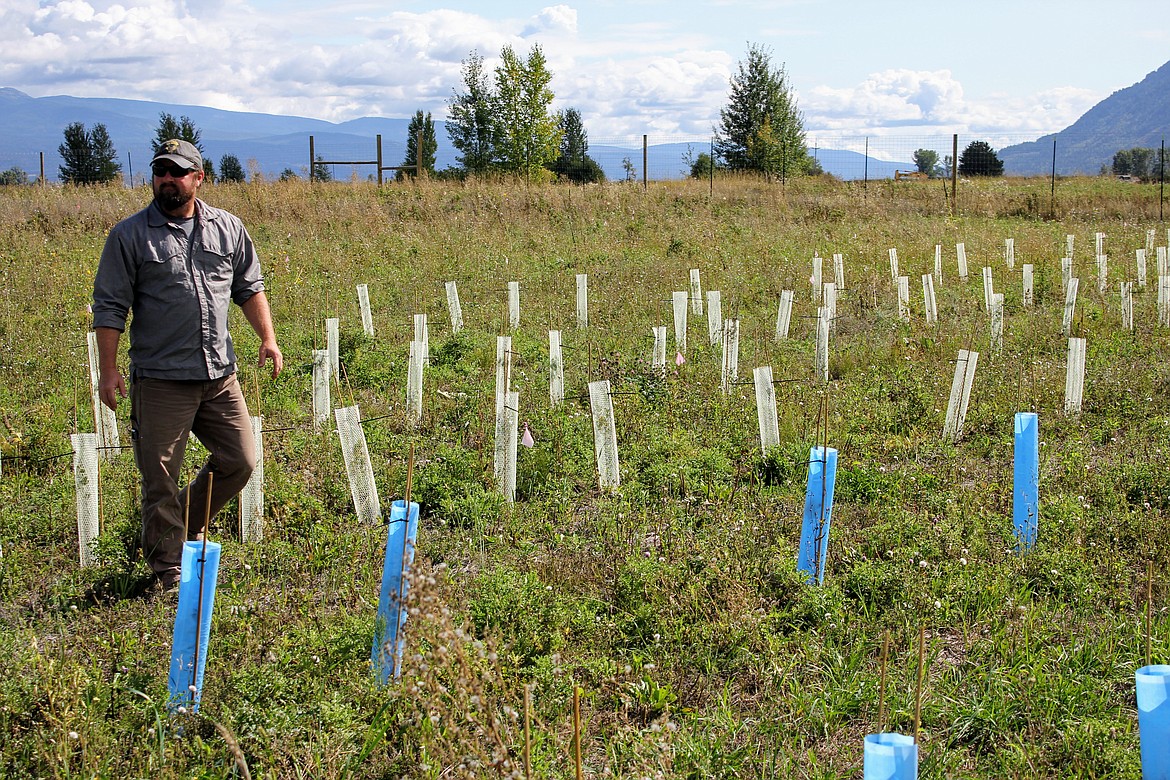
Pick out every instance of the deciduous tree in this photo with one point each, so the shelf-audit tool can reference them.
(926, 160)
(472, 125)
(529, 131)
(14, 175)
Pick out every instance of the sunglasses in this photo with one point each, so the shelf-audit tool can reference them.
(163, 169)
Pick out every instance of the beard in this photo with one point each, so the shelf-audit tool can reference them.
(171, 198)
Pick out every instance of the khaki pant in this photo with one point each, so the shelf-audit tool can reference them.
(162, 415)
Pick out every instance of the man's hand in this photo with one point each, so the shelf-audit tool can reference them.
(260, 318)
(111, 383)
(111, 387)
(271, 350)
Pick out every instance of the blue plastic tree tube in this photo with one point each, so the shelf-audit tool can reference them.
(890, 757)
(1153, 704)
(1026, 503)
(386, 654)
(818, 509)
(200, 570)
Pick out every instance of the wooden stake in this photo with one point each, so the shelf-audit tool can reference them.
(881, 722)
(577, 730)
(527, 732)
(1149, 606)
(202, 572)
(918, 691)
(409, 478)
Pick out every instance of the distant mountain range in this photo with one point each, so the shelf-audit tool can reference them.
(29, 127)
(1137, 116)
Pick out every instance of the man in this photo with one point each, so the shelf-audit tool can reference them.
(177, 265)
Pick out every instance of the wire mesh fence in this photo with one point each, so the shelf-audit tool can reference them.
(649, 157)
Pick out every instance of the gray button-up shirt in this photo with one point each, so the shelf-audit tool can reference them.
(179, 290)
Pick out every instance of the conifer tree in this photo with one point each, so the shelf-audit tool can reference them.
(89, 156)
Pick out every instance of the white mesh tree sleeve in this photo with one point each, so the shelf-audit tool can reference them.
(364, 302)
(422, 336)
(104, 420)
(604, 435)
(414, 382)
(679, 300)
(766, 408)
(696, 290)
(730, 354)
(85, 478)
(1074, 382)
(658, 356)
(252, 496)
(513, 305)
(821, 353)
(333, 346)
(714, 317)
(503, 371)
(556, 369)
(582, 301)
(507, 428)
(357, 465)
(960, 394)
(454, 310)
(784, 314)
(321, 402)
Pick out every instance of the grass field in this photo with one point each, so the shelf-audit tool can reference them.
(673, 604)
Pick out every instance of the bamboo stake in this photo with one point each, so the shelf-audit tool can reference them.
(1149, 606)
(577, 730)
(918, 691)
(881, 724)
(202, 572)
(405, 546)
(527, 732)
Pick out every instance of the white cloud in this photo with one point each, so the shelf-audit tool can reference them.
(560, 19)
(342, 61)
(902, 100)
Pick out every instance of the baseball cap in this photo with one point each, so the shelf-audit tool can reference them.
(181, 153)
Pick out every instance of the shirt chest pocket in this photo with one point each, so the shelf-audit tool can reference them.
(164, 269)
(213, 259)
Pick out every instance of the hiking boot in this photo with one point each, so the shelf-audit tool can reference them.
(165, 584)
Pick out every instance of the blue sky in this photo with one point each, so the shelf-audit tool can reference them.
(1021, 68)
